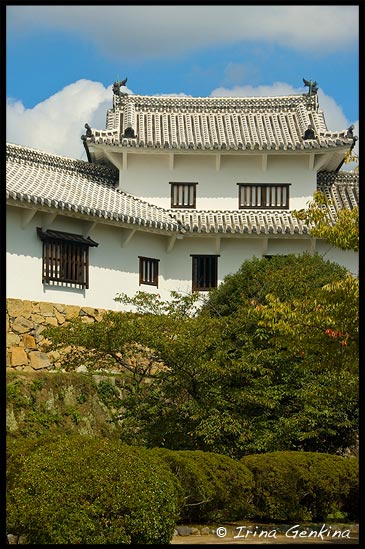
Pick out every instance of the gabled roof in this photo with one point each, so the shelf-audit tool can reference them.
(68, 185)
(76, 186)
(217, 124)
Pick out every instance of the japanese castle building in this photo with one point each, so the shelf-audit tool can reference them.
(177, 193)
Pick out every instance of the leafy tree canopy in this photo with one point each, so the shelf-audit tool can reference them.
(286, 276)
(268, 363)
(339, 227)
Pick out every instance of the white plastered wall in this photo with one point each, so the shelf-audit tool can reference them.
(114, 267)
(148, 176)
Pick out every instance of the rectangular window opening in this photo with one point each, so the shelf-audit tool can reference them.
(183, 195)
(148, 271)
(205, 272)
(65, 258)
(263, 196)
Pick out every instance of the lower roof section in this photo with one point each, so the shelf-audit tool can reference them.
(39, 180)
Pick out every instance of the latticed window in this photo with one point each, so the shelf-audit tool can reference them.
(148, 271)
(65, 258)
(205, 272)
(264, 196)
(183, 195)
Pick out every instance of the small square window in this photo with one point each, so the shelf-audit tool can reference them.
(183, 195)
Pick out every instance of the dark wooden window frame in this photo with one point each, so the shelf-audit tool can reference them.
(148, 271)
(65, 258)
(249, 194)
(188, 191)
(204, 272)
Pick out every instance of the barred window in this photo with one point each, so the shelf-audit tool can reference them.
(65, 258)
(148, 271)
(183, 195)
(205, 272)
(264, 196)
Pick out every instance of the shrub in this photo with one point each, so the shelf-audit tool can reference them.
(80, 490)
(303, 485)
(214, 487)
(287, 277)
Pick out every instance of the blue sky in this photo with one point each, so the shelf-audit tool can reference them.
(61, 60)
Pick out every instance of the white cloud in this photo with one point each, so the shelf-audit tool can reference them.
(334, 115)
(276, 89)
(164, 31)
(56, 124)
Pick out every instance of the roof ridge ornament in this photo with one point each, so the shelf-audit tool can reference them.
(119, 84)
(312, 85)
(309, 133)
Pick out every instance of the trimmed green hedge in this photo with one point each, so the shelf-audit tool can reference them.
(306, 486)
(81, 490)
(214, 487)
(74, 489)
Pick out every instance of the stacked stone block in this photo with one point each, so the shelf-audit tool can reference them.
(25, 322)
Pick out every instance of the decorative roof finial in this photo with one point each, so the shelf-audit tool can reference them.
(119, 84)
(313, 86)
(350, 131)
(88, 132)
(309, 133)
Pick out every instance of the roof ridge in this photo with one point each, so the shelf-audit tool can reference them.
(233, 102)
(213, 97)
(36, 156)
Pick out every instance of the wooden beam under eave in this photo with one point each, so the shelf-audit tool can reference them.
(265, 245)
(217, 162)
(88, 228)
(127, 235)
(218, 244)
(114, 158)
(171, 162)
(49, 218)
(170, 243)
(264, 162)
(26, 217)
(312, 245)
(125, 160)
(319, 161)
(311, 161)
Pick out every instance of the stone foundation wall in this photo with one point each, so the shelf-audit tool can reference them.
(25, 322)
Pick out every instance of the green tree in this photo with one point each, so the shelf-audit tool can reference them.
(231, 382)
(287, 277)
(339, 227)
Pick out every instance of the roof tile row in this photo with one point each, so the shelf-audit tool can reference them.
(239, 123)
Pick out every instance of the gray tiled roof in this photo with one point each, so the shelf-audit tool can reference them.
(218, 123)
(74, 185)
(240, 222)
(342, 189)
